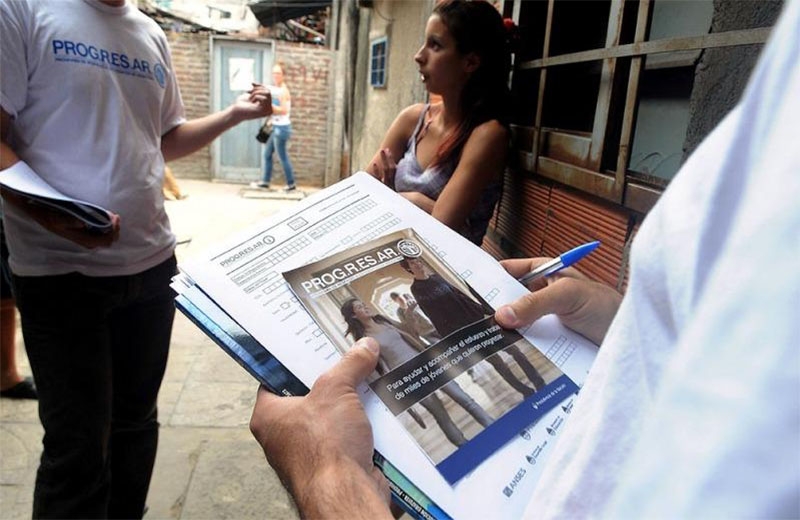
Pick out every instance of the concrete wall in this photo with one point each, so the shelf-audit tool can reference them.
(308, 77)
(722, 74)
(374, 109)
(336, 155)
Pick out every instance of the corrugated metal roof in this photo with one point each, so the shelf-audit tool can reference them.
(271, 12)
(170, 21)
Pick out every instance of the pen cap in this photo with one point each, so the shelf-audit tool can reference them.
(573, 255)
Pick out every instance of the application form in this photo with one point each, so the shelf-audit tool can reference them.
(243, 276)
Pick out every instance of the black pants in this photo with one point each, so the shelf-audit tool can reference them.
(97, 347)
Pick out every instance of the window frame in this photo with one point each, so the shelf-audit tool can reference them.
(384, 72)
(584, 172)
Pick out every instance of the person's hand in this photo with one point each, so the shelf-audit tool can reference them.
(321, 444)
(583, 305)
(255, 103)
(64, 225)
(385, 167)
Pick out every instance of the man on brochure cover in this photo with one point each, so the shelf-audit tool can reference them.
(449, 309)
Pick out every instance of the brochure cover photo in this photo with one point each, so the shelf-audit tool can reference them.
(457, 382)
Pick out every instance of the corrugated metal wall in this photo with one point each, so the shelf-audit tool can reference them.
(537, 217)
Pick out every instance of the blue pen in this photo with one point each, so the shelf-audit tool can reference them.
(562, 261)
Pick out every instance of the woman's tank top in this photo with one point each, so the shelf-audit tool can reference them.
(430, 182)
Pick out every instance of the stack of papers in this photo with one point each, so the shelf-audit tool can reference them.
(23, 181)
(463, 412)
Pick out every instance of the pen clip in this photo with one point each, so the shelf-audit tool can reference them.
(542, 270)
(560, 262)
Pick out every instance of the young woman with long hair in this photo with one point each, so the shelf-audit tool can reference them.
(448, 157)
(281, 132)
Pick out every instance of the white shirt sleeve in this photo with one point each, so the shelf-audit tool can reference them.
(13, 57)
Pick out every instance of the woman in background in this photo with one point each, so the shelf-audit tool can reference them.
(281, 131)
(448, 157)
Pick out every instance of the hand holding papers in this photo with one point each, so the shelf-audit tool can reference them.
(345, 245)
(348, 294)
(83, 222)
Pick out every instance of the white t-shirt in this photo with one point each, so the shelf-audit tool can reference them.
(91, 90)
(692, 409)
(277, 93)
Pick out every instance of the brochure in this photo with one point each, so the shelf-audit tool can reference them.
(359, 242)
(23, 181)
(350, 295)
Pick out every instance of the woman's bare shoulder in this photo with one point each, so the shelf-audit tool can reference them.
(405, 122)
(403, 126)
(487, 139)
(411, 113)
(490, 130)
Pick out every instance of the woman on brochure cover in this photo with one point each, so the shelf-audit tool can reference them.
(397, 347)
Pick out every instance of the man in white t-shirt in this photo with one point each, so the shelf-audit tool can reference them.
(90, 103)
(692, 408)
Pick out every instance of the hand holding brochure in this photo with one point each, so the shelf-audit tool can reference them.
(20, 179)
(463, 413)
(349, 295)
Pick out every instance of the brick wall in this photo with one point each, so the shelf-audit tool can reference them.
(307, 73)
(190, 59)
